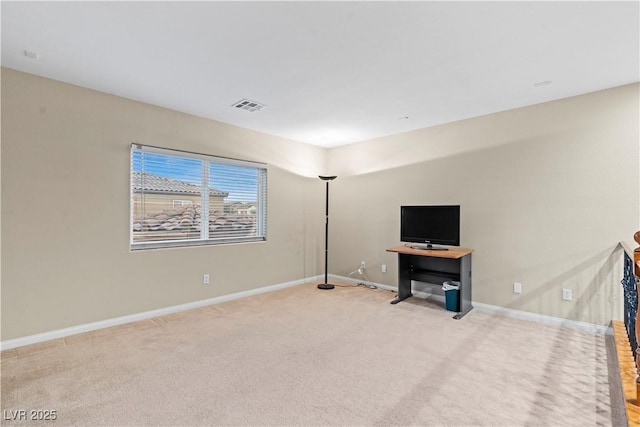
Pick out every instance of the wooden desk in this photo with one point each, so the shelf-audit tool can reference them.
(435, 267)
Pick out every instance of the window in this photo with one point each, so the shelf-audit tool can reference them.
(184, 199)
(180, 203)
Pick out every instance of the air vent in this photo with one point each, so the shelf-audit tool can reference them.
(252, 106)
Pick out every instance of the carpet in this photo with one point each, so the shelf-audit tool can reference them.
(303, 356)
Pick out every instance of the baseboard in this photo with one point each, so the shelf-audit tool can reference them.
(544, 319)
(493, 309)
(88, 327)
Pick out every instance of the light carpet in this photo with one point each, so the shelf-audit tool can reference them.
(303, 356)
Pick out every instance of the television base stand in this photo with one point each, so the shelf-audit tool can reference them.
(429, 247)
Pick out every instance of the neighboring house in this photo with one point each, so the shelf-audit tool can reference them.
(166, 208)
(244, 208)
(154, 194)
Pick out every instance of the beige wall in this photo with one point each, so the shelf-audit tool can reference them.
(67, 263)
(546, 194)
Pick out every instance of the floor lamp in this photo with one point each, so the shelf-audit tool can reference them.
(326, 285)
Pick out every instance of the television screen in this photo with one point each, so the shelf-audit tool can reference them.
(433, 225)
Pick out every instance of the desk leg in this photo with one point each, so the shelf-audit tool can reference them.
(462, 313)
(465, 287)
(398, 299)
(404, 278)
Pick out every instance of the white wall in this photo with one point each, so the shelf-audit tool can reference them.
(65, 209)
(546, 194)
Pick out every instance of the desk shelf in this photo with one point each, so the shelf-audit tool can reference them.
(433, 276)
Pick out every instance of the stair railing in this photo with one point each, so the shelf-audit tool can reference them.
(636, 279)
(630, 282)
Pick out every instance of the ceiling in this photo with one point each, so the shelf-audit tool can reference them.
(329, 73)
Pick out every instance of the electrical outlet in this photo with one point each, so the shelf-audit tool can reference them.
(566, 294)
(517, 288)
(363, 264)
(384, 268)
(205, 279)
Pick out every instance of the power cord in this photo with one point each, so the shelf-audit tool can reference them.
(362, 273)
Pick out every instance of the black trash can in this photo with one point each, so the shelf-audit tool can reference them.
(451, 291)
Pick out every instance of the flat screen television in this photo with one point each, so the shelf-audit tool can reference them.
(430, 225)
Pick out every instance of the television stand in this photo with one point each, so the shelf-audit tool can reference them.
(436, 267)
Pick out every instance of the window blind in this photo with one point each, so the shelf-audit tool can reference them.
(183, 199)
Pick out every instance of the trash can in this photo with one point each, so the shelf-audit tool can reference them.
(451, 291)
